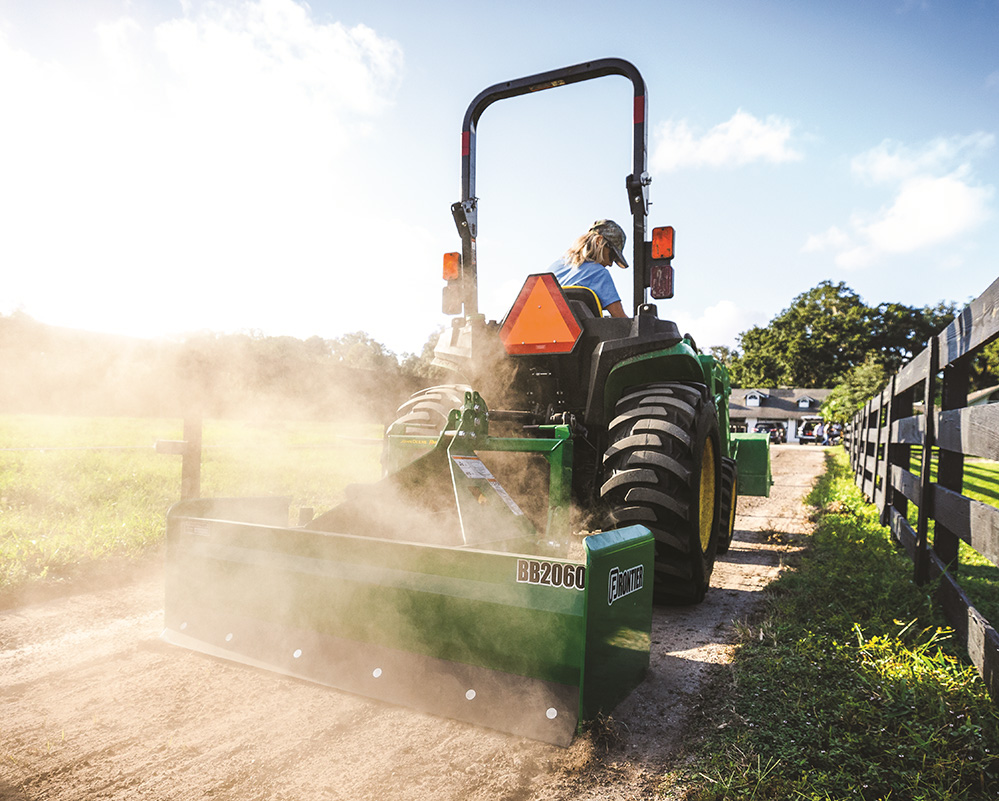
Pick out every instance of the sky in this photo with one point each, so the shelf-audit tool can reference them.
(284, 168)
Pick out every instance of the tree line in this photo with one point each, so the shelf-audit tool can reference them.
(826, 338)
(829, 338)
(50, 370)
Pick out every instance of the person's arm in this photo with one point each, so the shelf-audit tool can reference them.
(616, 309)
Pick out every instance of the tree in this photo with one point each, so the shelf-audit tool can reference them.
(860, 385)
(420, 367)
(724, 355)
(361, 351)
(823, 334)
(828, 332)
(760, 364)
(985, 368)
(904, 331)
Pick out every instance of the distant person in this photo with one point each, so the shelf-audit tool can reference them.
(586, 263)
(820, 434)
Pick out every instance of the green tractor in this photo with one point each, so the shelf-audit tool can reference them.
(503, 571)
(646, 411)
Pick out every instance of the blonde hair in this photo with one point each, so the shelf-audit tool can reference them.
(589, 247)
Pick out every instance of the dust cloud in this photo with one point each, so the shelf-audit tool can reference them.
(96, 705)
(297, 589)
(51, 370)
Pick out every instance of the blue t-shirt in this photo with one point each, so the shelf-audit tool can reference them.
(589, 274)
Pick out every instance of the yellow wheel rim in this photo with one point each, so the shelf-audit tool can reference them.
(706, 518)
(731, 511)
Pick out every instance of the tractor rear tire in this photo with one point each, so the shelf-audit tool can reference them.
(425, 415)
(729, 499)
(662, 469)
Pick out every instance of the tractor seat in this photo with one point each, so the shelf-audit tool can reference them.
(582, 298)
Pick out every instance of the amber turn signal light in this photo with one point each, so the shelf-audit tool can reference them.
(662, 242)
(452, 266)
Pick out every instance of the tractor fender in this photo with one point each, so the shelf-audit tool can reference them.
(614, 370)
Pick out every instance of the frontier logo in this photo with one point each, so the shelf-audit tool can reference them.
(624, 582)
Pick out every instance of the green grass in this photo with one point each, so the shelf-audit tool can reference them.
(978, 577)
(981, 480)
(848, 686)
(77, 491)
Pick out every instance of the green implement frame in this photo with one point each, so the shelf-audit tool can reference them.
(526, 644)
(752, 453)
(499, 626)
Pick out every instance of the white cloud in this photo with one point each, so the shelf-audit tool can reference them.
(926, 211)
(834, 237)
(720, 324)
(247, 56)
(891, 162)
(935, 199)
(194, 158)
(741, 140)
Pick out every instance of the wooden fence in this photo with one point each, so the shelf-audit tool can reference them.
(906, 414)
(190, 449)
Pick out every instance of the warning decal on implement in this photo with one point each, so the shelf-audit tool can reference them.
(473, 468)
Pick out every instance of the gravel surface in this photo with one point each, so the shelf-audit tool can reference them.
(93, 705)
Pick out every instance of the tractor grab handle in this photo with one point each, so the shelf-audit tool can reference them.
(465, 211)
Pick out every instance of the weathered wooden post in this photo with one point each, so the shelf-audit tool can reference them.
(189, 449)
(950, 469)
(190, 471)
(929, 440)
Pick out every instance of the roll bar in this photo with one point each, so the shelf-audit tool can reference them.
(465, 211)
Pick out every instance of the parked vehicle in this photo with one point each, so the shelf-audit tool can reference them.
(776, 431)
(810, 433)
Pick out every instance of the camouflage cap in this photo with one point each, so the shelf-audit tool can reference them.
(613, 235)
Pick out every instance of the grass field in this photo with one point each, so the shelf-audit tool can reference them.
(978, 577)
(78, 490)
(847, 686)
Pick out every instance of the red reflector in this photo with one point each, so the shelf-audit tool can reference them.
(452, 266)
(466, 138)
(540, 320)
(662, 242)
(639, 109)
(661, 283)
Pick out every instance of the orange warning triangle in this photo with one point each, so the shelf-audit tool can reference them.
(540, 320)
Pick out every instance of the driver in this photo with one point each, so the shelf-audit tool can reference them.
(586, 263)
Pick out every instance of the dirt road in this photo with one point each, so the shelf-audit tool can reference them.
(93, 705)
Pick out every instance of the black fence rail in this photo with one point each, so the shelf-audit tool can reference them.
(925, 407)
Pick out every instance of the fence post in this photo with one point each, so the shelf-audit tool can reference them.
(929, 437)
(870, 461)
(879, 492)
(950, 466)
(190, 471)
(858, 448)
(862, 447)
(895, 454)
(855, 443)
